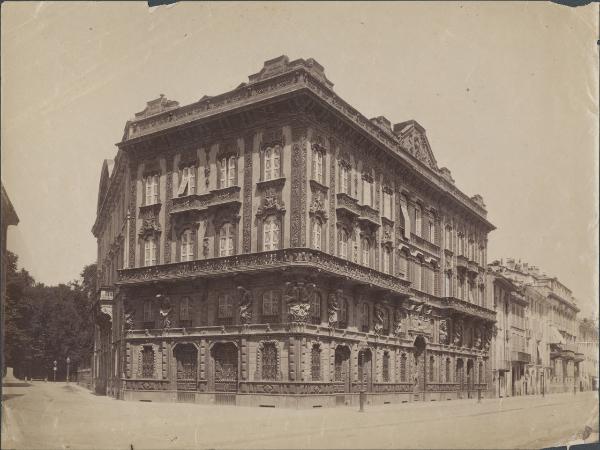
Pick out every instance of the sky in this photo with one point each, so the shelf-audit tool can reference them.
(507, 91)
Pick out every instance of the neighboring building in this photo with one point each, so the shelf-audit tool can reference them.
(587, 343)
(272, 246)
(537, 318)
(9, 217)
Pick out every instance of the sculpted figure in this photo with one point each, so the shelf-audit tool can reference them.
(443, 331)
(129, 317)
(458, 330)
(379, 315)
(298, 301)
(245, 305)
(332, 309)
(165, 310)
(477, 340)
(397, 323)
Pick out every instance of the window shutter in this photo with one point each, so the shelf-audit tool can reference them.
(267, 236)
(184, 182)
(276, 163)
(267, 174)
(231, 171)
(147, 253)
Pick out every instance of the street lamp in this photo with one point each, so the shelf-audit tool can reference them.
(68, 362)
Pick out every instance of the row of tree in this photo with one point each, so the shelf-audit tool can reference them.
(44, 324)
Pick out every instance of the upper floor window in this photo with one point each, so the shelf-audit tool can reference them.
(365, 318)
(343, 313)
(227, 171)
(418, 220)
(431, 230)
(482, 255)
(226, 240)
(345, 184)
(461, 244)
(271, 233)
(318, 164)
(387, 204)
(225, 307)
(272, 163)
(448, 238)
(188, 181)
(315, 308)
(184, 312)
(150, 248)
(316, 234)
(270, 303)
(367, 191)
(387, 259)
(448, 284)
(343, 243)
(187, 246)
(148, 311)
(366, 252)
(151, 182)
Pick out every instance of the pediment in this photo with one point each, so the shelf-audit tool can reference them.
(157, 106)
(412, 136)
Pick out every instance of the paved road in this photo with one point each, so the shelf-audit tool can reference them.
(57, 415)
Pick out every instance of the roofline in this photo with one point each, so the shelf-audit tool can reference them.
(9, 216)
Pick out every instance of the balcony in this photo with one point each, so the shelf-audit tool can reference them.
(462, 262)
(472, 267)
(348, 205)
(369, 215)
(202, 202)
(463, 307)
(520, 357)
(251, 263)
(424, 245)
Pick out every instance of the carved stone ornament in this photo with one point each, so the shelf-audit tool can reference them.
(245, 305)
(332, 309)
(398, 317)
(165, 310)
(379, 315)
(297, 298)
(149, 226)
(443, 331)
(129, 318)
(458, 332)
(317, 207)
(270, 204)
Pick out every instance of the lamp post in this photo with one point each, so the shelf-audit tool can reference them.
(543, 387)
(68, 362)
(54, 369)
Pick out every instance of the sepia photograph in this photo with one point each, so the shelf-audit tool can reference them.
(285, 225)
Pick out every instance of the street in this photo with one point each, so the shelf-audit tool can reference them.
(60, 415)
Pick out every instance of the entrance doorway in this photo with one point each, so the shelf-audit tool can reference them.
(342, 369)
(419, 364)
(225, 358)
(186, 357)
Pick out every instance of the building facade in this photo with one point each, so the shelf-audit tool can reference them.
(8, 217)
(272, 246)
(535, 348)
(587, 343)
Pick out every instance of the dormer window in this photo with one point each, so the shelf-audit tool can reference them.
(151, 183)
(188, 181)
(272, 163)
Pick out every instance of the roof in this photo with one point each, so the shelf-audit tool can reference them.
(9, 215)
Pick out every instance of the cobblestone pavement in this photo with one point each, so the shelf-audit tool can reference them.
(57, 415)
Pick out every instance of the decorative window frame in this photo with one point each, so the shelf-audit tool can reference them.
(259, 354)
(155, 369)
(221, 217)
(277, 314)
(347, 188)
(271, 138)
(319, 348)
(227, 150)
(193, 228)
(318, 149)
(153, 170)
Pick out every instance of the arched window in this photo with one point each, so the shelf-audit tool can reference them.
(150, 247)
(226, 240)
(343, 244)
(431, 368)
(270, 305)
(271, 233)
(366, 252)
(345, 178)
(403, 360)
(319, 157)
(272, 163)
(315, 308)
(184, 312)
(225, 309)
(365, 318)
(315, 362)
(316, 234)
(386, 367)
(448, 365)
(269, 361)
(227, 172)
(367, 191)
(418, 220)
(387, 259)
(187, 246)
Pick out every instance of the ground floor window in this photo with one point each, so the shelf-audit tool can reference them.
(148, 362)
(269, 361)
(315, 363)
(403, 367)
(386, 367)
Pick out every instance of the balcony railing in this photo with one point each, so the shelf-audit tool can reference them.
(465, 307)
(462, 262)
(201, 202)
(264, 261)
(425, 245)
